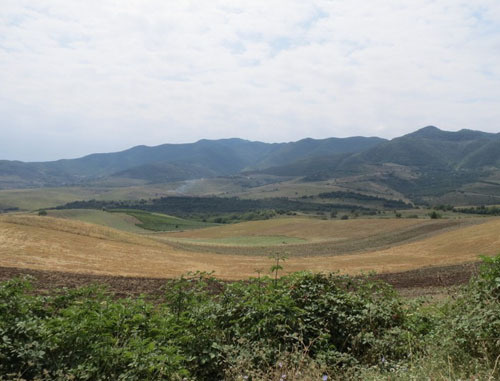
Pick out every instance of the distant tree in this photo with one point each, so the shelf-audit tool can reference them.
(42, 213)
(434, 215)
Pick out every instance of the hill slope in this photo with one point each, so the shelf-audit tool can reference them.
(426, 162)
(172, 162)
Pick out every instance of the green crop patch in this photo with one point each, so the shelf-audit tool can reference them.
(162, 222)
(120, 221)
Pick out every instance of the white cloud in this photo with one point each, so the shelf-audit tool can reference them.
(104, 75)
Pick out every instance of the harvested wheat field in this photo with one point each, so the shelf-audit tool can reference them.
(46, 243)
(310, 229)
(307, 237)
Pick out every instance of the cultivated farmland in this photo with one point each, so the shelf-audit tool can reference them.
(47, 243)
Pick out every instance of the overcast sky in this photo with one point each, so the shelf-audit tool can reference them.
(78, 77)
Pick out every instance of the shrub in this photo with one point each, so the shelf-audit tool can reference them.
(84, 334)
(472, 328)
(434, 215)
(300, 325)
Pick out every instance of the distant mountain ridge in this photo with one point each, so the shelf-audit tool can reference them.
(307, 148)
(432, 147)
(173, 162)
(428, 147)
(426, 160)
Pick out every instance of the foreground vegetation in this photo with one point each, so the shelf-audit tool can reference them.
(299, 327)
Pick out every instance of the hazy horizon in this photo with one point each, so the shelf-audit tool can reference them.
(228, 138)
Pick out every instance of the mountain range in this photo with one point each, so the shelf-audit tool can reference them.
(174, 162)
(426, 149)
(411, 164)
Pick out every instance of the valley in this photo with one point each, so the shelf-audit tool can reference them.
(249, 191)
(350, 205)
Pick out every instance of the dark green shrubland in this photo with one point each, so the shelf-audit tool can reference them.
(304, 326)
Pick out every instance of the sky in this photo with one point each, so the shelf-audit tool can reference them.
(78, 77)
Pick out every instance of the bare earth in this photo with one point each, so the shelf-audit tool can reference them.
(429, 281)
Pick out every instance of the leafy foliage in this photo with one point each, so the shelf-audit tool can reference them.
(473, 327)
(483, 210)
(84, 335)
(386, 203)
(312, 324)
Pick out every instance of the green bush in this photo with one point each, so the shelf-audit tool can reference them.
(473, 326)
(205, 329)
(84, 335)
(434, 215)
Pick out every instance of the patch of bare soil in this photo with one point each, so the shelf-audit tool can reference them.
(423, 281)
(442, 276)
(46, 281)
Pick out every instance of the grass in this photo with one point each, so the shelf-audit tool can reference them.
(47, 243)
(309, 229)
(31, 199)
(39, 198)
(295, 189)
(317, 237)
(161, 222)
(133, 221)
(120, 221)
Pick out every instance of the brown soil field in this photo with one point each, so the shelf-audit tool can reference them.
(50, 244)
(414, 282)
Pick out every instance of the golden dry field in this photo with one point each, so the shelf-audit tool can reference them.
(48, 243)
(309, 237)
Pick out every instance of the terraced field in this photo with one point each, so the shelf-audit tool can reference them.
(57, 244)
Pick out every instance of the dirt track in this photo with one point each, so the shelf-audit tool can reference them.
(45, 281)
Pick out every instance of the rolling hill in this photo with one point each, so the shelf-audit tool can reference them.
(424, 163)
(57, 244)
(426, 149)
